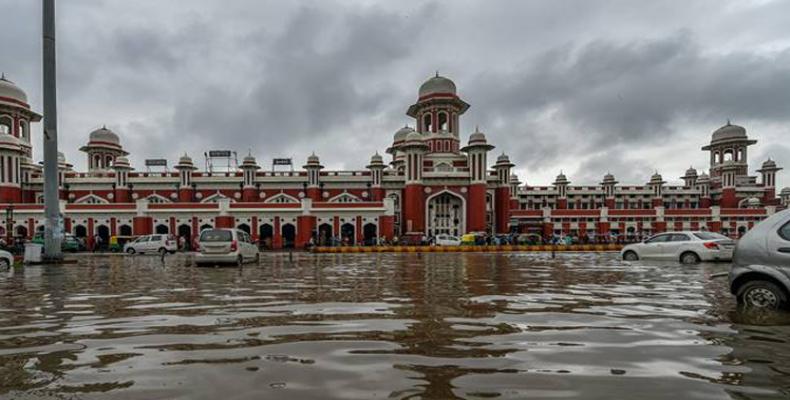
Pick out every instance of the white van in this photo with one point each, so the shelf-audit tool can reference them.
(226, 246)
(159, 243)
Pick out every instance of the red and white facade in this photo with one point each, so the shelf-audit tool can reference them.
(435, 183)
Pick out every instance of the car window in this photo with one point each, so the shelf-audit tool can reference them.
(709, 235)
(784, 231)
(679, 237)
(156, 238)
(216, 235)
(658, 239)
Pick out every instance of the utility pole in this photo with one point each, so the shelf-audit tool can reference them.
(52, 228)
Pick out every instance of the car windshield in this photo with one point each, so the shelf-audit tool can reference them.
(216, 235)
(709, 235)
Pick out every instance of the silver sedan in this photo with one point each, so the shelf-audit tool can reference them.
(688, 247)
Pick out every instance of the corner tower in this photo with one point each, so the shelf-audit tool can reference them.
(437, 113)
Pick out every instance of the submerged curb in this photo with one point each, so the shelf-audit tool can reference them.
(465, 249)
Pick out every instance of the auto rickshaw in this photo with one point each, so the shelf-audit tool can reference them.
(468, 239)
(117, 242)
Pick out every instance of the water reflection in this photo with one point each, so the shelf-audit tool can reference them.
(438, 326)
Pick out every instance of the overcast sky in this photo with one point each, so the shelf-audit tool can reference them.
(582, 86)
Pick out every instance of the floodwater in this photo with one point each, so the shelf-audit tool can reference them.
(384, 326)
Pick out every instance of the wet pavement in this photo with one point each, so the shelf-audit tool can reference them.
(387, 326)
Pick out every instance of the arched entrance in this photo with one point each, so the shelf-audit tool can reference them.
(162, 229)
(265, 235)
(445, 214)
(103, 233)
(370, 233)
(185, 231)
(289, 236)
(80, 231)
(20, 232)
(347, 234)
(205, 226)
(244, 227)
(325, 234)
(125, 230)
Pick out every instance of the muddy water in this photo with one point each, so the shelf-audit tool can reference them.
(434, 326)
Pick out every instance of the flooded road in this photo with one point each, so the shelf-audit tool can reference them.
(384, 326)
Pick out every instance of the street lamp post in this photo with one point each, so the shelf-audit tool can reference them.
(52, 229)
(9, 224)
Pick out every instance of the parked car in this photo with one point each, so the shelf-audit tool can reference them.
(226, 246)
(688, 247)
(447, 240)
(70, 243)
(760, 273)
(6, 260)
(152, 244)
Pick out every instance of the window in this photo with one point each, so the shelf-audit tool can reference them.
(679, 237)
(784, 231)
(444, 123)
(427, 125)
(658, 239)
(709, 235)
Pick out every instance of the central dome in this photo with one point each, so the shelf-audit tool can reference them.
(729, 131)
(437, 84)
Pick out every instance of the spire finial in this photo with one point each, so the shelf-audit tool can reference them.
(477, 128)
(728, 122)
(437, 73)
(2, 76)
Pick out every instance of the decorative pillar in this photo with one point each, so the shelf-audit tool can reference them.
(376, 168)
(249, 168)
(185, 169)
(561, 185)
(313, 187)
(414, 147)
(477, 152)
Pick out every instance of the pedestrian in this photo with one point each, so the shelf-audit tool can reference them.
(182, 241)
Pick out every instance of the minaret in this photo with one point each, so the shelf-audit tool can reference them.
(609, 184)
(768, 180)
(690, 178)
(249, 167)
(477, 154)
(703, 187)
(656, 186)
(376, 168)
(185, 169)
(502, 194)
(414, 148)
(103, 147)
(122, 168)
(561, 183)
(313, 168)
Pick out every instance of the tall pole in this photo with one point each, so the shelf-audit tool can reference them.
(52, 229)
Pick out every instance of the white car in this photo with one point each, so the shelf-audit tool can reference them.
(688, 247)
(6, 260)
(447, 240)
(226, 246)
(152, 244)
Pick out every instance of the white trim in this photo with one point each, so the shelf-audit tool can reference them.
(338, 198)
(84, 199)
(278, 196)
(216, 196)
(162, 199)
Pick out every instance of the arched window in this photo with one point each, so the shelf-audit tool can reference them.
(97, 161)
(444, 122)
(108, 161)
(23, 133)
(728, 155)
(5, 124)
(716, 157)
(427, 123)
(740, 154)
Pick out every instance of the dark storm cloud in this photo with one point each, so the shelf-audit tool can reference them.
(631, 88)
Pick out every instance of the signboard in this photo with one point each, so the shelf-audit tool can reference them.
(282, 161)
(158, 162)
(219, 153)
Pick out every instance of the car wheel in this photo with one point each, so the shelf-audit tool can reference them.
(762, 294)
(630, 256)
(240, 261)
(689, 258)
(257, 258)
(130, 250)
(162, 251)
(4, 265)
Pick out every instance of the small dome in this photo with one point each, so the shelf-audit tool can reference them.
(61, 157)
(437, 84)
(785, 192)
(769, 164)
(754, 202)
(376, 158)
(401, 134)
(185, 159)
(703, 178)
(608, 177)
(104, 135)
(121, 162)
(561, 179)
(249, 159)
(691, 172)
(10, 90)
(477, 136)
(313, 159)
(729, 131)
(503, 158)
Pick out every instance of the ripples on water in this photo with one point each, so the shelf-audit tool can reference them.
(433, 326)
